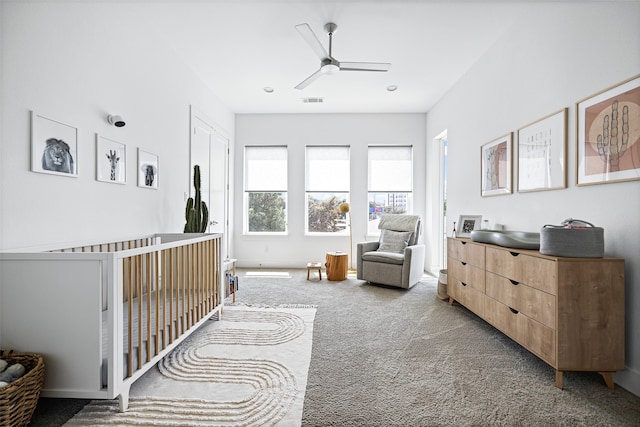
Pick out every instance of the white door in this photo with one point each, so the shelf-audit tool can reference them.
(210, 150)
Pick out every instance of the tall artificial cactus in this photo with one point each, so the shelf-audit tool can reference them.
(196, 213)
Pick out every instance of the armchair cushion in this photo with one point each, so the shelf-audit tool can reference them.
(394, 241)
(384, 257)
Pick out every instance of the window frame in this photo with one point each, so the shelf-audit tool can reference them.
(409, 190)
(248, 189)
(345, 190)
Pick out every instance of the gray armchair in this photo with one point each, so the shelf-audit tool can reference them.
(396, 259)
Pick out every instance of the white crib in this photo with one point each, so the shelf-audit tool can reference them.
(102, 314)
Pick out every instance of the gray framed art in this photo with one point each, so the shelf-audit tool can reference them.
(468, 223)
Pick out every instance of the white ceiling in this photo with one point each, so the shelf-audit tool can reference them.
(239, 47)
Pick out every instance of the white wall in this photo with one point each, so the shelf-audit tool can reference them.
(546, 62)
(77, 63)
(296, 131)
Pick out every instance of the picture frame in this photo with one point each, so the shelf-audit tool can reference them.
(608, 135)
(54, 146)
(468, 223)
(542, 153)
(148, 171)
(496, 167)
(111, 160)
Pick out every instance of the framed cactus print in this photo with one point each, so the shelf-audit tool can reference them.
(111, 161)
(608, 135)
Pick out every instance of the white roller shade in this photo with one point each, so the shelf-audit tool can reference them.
(265, 168)
(328, 169)
(390, 169)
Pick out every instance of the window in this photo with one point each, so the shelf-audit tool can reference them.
(390, 182)
(327, 186)
(265, 189)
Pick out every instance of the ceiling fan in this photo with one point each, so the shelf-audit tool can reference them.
(328, 64)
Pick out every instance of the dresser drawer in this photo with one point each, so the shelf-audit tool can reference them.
(467, 274)
(533, 335)
(539, 339)
(536, 272)
(466, 251)
(468, 296)
(533, 303)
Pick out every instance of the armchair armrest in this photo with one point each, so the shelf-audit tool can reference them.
(360, 249)
(413, 267)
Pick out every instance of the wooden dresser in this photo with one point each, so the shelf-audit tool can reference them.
(567, 311)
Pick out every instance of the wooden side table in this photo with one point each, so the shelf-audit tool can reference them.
(312, 266)
(230, 277)
(337, 265)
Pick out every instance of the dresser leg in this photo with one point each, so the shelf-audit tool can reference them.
(559, 379)
(450, 300)
(608, 379)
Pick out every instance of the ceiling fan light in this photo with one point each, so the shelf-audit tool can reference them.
(329, 68)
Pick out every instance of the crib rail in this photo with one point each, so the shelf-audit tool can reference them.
(167, 292)
(115, 246)
(121, 305)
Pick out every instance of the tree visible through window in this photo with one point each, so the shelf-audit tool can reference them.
(267, 212)
(327, 185)
(265, 183)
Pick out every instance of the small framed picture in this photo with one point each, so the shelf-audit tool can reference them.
(496, 167)
(542, 159)
(608, 135)
(147, 169)
(54, 147)
(111, 161)
(468, 223)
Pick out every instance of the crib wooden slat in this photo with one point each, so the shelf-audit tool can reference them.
(147, 296)
(139, 296)
(157, 288)
(129, 317)
(172, 292)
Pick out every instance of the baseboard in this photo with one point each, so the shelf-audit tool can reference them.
(629, 379)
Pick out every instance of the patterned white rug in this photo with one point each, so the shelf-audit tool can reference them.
(248, 369)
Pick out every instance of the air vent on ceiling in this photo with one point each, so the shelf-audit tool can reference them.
(313, 100)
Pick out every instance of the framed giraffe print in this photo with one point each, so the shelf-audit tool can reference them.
(111, 161)
(608, 135)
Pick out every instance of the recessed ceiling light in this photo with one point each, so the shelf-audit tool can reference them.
(268, 89)
(392, 88)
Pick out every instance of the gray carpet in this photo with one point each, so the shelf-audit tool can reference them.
(392, 357)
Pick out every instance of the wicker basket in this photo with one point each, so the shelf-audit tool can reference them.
(18, 399)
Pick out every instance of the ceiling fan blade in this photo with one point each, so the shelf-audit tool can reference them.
(307, 34)
(306, 82)
(364, 66)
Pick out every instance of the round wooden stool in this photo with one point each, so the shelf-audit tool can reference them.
(336, 264)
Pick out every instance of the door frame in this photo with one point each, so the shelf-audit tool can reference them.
(196, 115)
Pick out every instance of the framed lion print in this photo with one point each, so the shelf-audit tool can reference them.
(54, 146)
